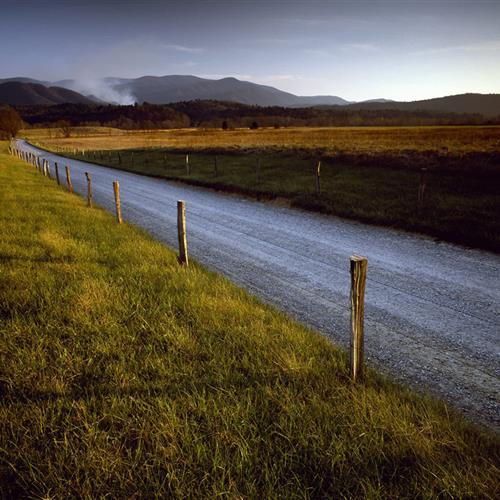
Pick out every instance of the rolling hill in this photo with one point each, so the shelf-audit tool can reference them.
(487, 105)
(25, 93)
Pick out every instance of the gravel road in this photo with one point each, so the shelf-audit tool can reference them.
(432, 317)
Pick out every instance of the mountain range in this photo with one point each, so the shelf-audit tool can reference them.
(178, 88)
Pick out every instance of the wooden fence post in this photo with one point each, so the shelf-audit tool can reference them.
(181, 232)
(318, 174)
(47, 169)
(359, 266)
(421, 189)
(89, 189)
(216, 173)
(187, 164)
(57, 173)
(116, 188)
(68, 179)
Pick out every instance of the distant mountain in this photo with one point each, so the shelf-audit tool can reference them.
(487, 105)
(22, 93)
(177, 88)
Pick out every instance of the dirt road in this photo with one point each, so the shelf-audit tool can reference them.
(433, 309)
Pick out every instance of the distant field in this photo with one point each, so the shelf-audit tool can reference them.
(355, 140)
(123, 374)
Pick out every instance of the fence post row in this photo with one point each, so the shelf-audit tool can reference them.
(359, 266)
(116, 188)
(181, 233)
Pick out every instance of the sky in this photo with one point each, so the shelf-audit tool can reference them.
(399, 49)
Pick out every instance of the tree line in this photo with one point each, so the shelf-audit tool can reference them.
(217, 114)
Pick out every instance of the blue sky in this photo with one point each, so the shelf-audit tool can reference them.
(355, 49)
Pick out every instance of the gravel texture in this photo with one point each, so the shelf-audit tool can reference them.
(432, 314)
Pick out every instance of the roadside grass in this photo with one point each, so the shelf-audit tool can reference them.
(461, 203)
(124, 375)
(455, 140)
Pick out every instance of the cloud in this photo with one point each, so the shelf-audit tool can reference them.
(487, 46)
(132, 57)
(315, 52)
(182, 48)
(306, 21)
(362, 47)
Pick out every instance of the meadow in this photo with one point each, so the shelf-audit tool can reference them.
(324, 140)
(122, 373)
(368, 174)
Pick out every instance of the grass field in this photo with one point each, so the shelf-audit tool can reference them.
(123, 374)
(325, 140)
(461, 203)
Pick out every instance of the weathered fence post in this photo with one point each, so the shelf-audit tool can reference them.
(56, 168)
(47, 169)
(116, 188)
(318, 174)
(187, 164)
(359, 266)
(89, 189)
(216, 173)
(68, 179)
(421, 189)
(119, 158)
(181, 232)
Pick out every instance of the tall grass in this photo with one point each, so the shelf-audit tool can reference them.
(123, 375)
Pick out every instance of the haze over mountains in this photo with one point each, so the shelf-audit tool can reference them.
(177, 88)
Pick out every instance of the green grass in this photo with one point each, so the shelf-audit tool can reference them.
(462, 200)
(124, 375)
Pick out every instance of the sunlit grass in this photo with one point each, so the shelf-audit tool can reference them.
(123, 375)
(329, 140)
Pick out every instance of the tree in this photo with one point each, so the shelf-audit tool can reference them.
(65, 128)
(224, 125)
(10, 122)
(254, 125)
